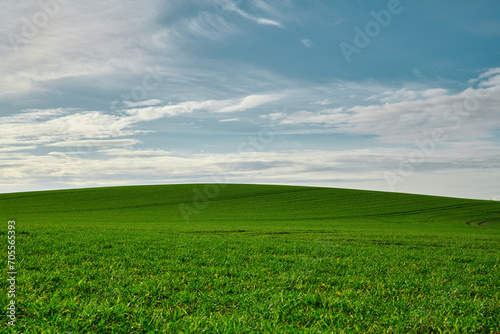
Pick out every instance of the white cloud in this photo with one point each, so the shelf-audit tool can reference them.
(71, 127)
(251, 101)
(274, 116)
(492, 72)
(146, 103)
(216, 106)
(267, 22)
(325, 167)
(324, 102)
(206, 25)
(264, 21)
(106, 43)
(405, 94)
(306, 42)
(45, 127)
(229, 120)
(430, 93)
(118, 43)
(98, 143)
(407, 115)
(125, 152)
(17, 148)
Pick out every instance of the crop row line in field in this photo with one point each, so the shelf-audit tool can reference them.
(482, 223)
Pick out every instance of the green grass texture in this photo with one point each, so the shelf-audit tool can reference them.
(233, 258)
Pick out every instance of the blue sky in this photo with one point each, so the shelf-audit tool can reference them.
(382, 95)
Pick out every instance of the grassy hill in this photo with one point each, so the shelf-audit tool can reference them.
(253, 258)
(176, 205)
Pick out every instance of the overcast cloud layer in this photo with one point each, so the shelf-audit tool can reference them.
(123, 92)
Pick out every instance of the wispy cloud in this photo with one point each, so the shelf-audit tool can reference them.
(54, 53)
(325, 167)
(225, 120)
(323, 102)
(306, 42)
(260, 20)
(17, 148)
(146, 103)
(405, 115)
(98, 143)
(205, 24)
(70, 127)
(250, 102)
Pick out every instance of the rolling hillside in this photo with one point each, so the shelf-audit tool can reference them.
(252, 259)
(185, 206)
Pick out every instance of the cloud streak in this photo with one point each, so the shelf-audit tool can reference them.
(327, 167)
(250, 102)
(259, 20)
(69, 127)
(54, 53)
(405, 115)
(98, 143)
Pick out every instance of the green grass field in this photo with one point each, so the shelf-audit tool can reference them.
(252, 259)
